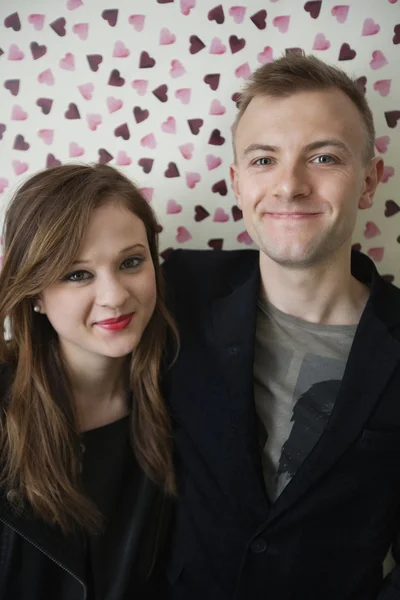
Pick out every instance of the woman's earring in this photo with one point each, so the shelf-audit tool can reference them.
(36, 308)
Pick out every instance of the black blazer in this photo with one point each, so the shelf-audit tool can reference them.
(326, 536)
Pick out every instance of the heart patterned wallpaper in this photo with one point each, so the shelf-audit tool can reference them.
(150, 86)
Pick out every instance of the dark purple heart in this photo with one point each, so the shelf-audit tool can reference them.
(1, 51)
(111, 16)
(220, 188)
(195, 125)
(13, 22)
(37, 50)
(146, 164)
(216, 244)
(195, 44)
(2, 130)
(236, 213)
(200, 213)
(388, 278)
(94, 61)
(115, 79)
(59, 26)
(52, 161)
(313, 8)
(72, 112)
(164, 1)
(217, 14)
(398, 240)
(361, 83)
(45, 104)
(295, 51)
(391, 208)
(159, 228)
(212, 80)
(356, 247)
(146, 61)
(161, 92)
(20, 143)
(347, 53)
(236, 97)
(165, 253)
(140, 114)
(172, 170)
(122, 131)
(12, 85)
(392, 116)
(104, 156)
(396, 37)
(236, 44)
(260, 19)
(216, 138)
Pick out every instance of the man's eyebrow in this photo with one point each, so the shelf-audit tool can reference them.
(128, 249)
(312, 146)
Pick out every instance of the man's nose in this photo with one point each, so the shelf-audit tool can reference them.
(292, 182)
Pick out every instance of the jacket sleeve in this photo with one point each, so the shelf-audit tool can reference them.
(391, 584)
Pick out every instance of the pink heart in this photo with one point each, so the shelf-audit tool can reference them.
(137, 21)
(169, 126)
(114, 104)
(371, 230)
(3, 184)
(220, 216)
(282, 23)
(14, 53)
(186, 6)
(81, 30)
(237, 12)
(183, 235)
(213, 161)
(244, 238)
(192, 179)
(72, 4)
(183, 95)
(383, 86)
(120, 50)
(37, 21)
(47, 135)
(173, 208)
(177, 69)
(140, 85)
(381, 144)
(266, 56)
(217, 47)
(46, 77)
(216, 108)
(75, 150)
(123, 160)
(376, 254)
(18, 113)
(392, 1)
(86, 89)
(148, 141)
(370, 27)
(94, 121)
(166, 37)
(147, 193)
(19, 167)
(378, 60)
(68, 62)
(340, 12)
(186, 150)
(320, 42)
(243, 71)
(388, 172)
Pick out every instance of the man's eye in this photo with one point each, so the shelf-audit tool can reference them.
(325, 159)
(262, 161)
(77, 276)
(132, 262)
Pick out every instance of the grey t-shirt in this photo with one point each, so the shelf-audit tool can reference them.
(298, 368)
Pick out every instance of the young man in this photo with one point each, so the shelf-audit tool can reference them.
(286, 392)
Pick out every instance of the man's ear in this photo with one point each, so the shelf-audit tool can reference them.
(234, 175)
(372, 178)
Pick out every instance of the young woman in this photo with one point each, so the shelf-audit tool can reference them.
(86, 469)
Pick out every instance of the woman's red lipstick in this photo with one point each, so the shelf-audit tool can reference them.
(116, 324)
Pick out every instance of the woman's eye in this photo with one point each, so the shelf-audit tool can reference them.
(77, 276)
(262, 162)
(132, 262)
(325, 159)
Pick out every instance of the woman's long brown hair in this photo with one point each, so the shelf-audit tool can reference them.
(39, 443)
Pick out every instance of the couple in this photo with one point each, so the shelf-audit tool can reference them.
(236, 435)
